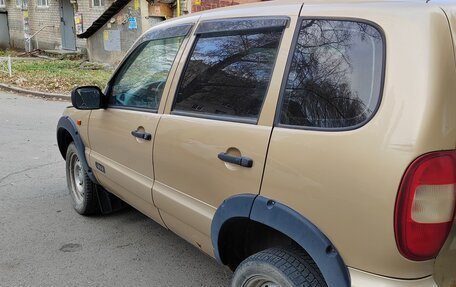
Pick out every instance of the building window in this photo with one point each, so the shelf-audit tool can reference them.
(2, 3)
(21, 4)
(43, 3)
(98, 3)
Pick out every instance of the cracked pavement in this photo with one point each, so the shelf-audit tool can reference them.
(44, 242)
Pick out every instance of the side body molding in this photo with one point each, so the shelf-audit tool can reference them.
(290, 223)
(67, 124)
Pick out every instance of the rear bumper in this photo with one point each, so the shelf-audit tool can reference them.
(364, 279)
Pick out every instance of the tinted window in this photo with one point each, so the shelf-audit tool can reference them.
(335, 75)
(228, 74)
(141, 80)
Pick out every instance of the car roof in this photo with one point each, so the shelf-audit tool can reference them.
(283, 7)
(277, 3)
(285, 2)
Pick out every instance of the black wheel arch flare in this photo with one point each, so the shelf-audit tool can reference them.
(289, 222)
(67, 124)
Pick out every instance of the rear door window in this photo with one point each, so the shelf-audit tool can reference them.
(335, 76)
(229, 69)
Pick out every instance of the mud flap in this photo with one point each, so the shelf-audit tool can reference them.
(108, 202)
(445, 264)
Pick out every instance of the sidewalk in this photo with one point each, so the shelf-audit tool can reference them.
(44, 95)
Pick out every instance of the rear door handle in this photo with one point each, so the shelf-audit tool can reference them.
(141, 135)
(239, 160)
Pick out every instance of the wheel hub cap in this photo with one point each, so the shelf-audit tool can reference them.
(260, 281)
(77, 179)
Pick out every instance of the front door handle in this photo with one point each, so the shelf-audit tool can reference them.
(141, 135)
(239, 160)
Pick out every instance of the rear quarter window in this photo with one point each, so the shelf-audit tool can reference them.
(335, 76)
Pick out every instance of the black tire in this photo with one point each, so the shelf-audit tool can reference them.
(285, 267)
(81, 188)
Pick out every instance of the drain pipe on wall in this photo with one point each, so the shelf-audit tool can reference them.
(178, 8)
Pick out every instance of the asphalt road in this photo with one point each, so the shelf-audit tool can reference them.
(44, 242)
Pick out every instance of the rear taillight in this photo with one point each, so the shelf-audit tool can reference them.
(425, 207)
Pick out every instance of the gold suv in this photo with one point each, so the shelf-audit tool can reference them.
(299, 144)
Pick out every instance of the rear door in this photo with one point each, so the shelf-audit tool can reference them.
(122, 135)
(212, 145)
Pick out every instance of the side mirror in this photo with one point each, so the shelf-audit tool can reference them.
(87, 98)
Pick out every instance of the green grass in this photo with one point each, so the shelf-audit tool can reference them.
(58, 76)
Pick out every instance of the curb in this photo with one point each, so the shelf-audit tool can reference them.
(43, 95)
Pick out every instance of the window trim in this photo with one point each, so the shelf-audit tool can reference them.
(283, 85)
(42, 6)
(244, 120)
(92, 2)
(182, 30)
(275, 22)
(22, 5)
(129, 108)
(234, 119)
(135, 46)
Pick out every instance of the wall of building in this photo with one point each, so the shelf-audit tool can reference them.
(31, 20)
(89, 15)
(49, 38)
(110, 43)
(15, 24)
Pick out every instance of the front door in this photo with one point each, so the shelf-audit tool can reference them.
(67, 25)
(122, 136)
(213, 144)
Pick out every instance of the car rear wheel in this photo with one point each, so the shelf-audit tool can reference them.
(81, 188)
(278, 267)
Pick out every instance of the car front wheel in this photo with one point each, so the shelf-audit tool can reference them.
(81, 188)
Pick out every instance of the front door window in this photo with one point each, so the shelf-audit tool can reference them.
(141, 80)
